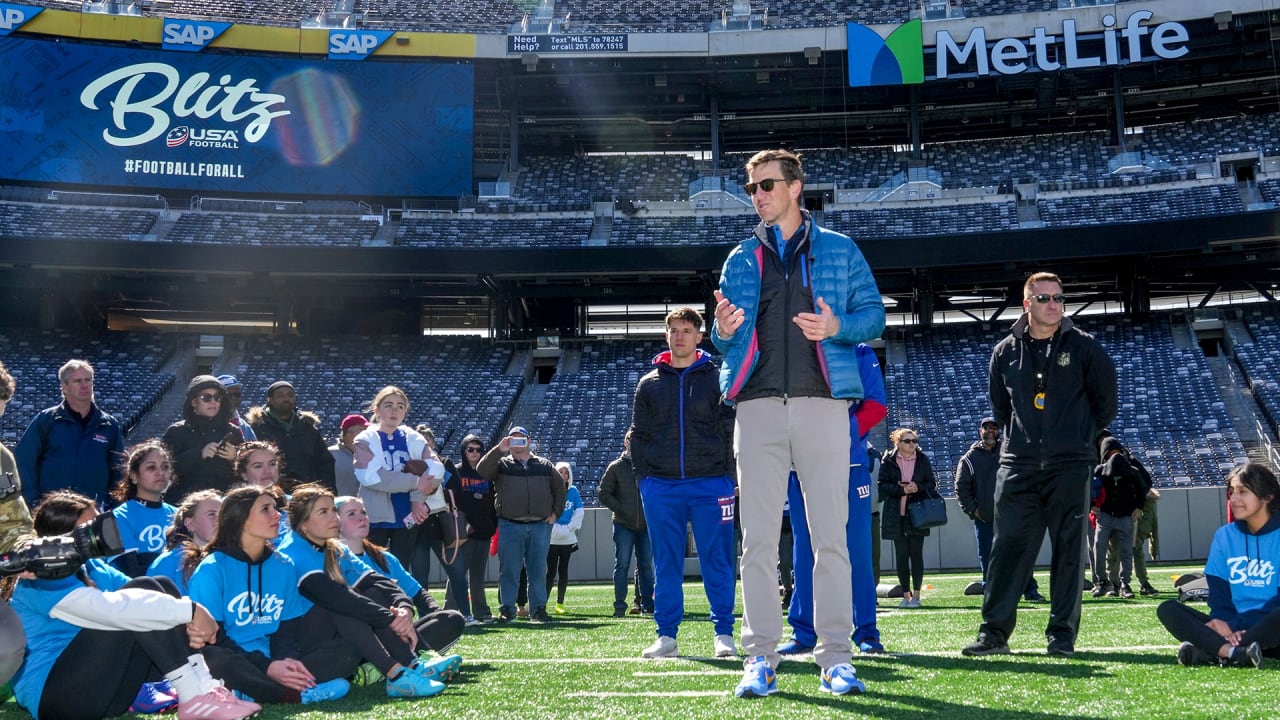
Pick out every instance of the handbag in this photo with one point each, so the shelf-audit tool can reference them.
(928, 512)
(454, 529)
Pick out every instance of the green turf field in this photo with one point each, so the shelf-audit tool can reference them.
(587, 665)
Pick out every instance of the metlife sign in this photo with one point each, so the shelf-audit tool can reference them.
(115, 116)
(1133, 39)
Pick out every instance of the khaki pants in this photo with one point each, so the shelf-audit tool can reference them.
(771, 437)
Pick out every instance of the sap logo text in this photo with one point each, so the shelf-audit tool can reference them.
(355, 45)
(191, 35)
(13, 17)
(1009, 56)
(195, 97)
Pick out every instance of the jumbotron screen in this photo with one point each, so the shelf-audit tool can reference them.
(131, 117)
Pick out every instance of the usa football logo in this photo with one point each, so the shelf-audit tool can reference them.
(177, 136)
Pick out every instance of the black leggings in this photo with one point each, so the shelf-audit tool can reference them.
(380, 646)
(558, 564)
(100, 671)
(325, 653)
(437, 629)
(909, 550)
(1188, 625)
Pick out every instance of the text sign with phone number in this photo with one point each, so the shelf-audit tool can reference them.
(567, 43)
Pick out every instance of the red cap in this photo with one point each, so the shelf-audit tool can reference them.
(354, 420)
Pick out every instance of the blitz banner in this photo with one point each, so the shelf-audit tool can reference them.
(129, 117)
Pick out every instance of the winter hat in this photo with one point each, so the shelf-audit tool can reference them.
(354, 420)
(277, 385)
(203, 382)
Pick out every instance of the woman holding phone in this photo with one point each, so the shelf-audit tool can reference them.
(906, 475)
(204, 441)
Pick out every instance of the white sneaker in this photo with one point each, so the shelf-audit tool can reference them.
(725, 646)
(663, 647)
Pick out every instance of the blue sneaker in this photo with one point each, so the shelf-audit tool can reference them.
(411, 684)
(871, 647)
(442, 669)
(758, 679)
(794, 647)
(841, 680)
(154, 697)
(331, 690)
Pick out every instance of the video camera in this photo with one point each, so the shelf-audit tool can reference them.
(58, 556)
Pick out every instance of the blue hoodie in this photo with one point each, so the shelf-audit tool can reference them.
(1241, 572)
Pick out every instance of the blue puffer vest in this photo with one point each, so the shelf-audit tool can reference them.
(840, 276)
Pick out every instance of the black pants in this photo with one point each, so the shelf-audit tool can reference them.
(558, 568)
(909, 552)
(380, 646)
(403, 543)
(325, 653)
(100, 671)
(1029, 501)
(437, 629)
(431, 544)
(1187, 624)
(474, 557)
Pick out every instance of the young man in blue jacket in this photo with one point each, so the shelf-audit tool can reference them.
(681, 448)
(794, 301)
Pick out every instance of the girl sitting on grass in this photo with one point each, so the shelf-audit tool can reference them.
(1243, 622)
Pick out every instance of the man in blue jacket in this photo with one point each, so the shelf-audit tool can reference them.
(73, 444)
(863, 416)
(794, 301)
(681, 448)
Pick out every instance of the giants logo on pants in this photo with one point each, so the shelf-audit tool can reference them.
(726, 509)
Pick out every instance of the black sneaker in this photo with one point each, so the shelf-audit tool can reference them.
(540, 616)
(1099, 590)
(1111, 591)
(1061, 648)
(1189, 655)
(1126, 592)
(1035, 596)
(1245, 656)
(984, 646)
(619, 612)
(506, 616)
(1148, 590)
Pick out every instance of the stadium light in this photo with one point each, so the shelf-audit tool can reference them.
(529, 60)
(813, 53)
(1223, 19)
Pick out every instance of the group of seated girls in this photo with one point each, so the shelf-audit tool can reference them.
(234, 608)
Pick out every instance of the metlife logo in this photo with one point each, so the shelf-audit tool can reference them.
(13, 17)
(899, 58)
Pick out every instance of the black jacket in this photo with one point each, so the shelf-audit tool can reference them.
(186, 440)
(474, 496)
(788, 362)
(1080, 396)
(525, 493)
(306, 455)
(619, 492)
(976, 481)
(892, 525)
(1123, 488)
(681, 429)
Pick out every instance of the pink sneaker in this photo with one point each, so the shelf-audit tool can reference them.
(217, 704)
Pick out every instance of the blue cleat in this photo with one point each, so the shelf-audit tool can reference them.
(154, 697)
(841, 680)
(410, 684)
(794, 647)
(442, 669)
(758, 680)
(335, 689)
(871, 647)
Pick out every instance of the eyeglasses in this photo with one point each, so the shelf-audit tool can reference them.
(1044, 298)
(766, 185)
(210, 397)
(909, 441)
(473, 449)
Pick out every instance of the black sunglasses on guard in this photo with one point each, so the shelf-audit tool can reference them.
(1044, 298)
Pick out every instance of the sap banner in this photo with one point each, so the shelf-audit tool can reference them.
(114, 116)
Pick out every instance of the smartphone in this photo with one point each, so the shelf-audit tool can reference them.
(519, 442)
(231, 438)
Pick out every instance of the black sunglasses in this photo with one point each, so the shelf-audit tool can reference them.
(911, 441)
(1044, 298)
(473, 449)
(766, 185)
(210, 397)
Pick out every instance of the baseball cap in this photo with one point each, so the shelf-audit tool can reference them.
(229, 381)
(988, 421)
(354, 420)
(518, 430)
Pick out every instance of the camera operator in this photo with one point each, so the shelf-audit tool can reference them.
(95, 637)
(15, 532)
